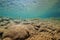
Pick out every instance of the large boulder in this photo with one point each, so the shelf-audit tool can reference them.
(18, 31)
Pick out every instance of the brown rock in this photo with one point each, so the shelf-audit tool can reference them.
(41, 36)
(7, 38)
(16, 31)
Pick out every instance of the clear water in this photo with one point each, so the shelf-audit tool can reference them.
(30, 8)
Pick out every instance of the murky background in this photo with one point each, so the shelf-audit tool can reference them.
(30, 8)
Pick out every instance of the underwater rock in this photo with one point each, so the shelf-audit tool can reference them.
(15, 32)
(37, 27)
(17, 21)
(26, 23)
(4, 21)
(57, 36)
(29, 29)
(7, 38)
(58, 30)
(41, 36)
(0, 19)
(1, 33)
(44, 30)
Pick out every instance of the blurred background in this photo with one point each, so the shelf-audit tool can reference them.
(30, 8)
